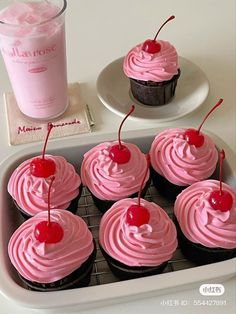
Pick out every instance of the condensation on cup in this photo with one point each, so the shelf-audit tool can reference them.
(32, 43)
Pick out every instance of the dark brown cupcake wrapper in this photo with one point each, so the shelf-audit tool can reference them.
(125, 272)
(168, 189)
(198, 253)
(104, 205)
(165, 188)
(72, 207)
(79, 278)
(153, 93)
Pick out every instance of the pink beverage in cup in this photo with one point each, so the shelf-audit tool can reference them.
(32, 42)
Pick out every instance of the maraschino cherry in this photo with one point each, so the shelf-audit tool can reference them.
(193, 136)
(119, 152)
(151, 45)
(48, 231)
(138, 215)
(220, 199)
(42, 167)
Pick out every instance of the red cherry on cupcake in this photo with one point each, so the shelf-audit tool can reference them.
(195, 137)
(48, 231)
(43, 167)
(151, 45)
(121, 155)
(48, 234)
(119, 152)
(138, 215)
(220, 199)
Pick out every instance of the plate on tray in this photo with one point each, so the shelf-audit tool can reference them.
(113, 89)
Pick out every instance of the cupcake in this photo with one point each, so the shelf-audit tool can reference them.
(30, 192)
(29, 184)
(64, 261)
(114, 170)
(110, 181)
(153, 70)
(206, 232)
(137, 240)
(176, 163)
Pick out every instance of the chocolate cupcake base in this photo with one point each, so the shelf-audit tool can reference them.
(78, 279)
(200, 254)
(72, 207)
(125, 272)
(104, 205)
(165, 187)
(153, 93)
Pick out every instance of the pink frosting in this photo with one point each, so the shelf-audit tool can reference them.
(31, 192)
(202, 224)
(157, 67)
(180, 163)
(108, 180)
(148, 245)
(45, 263)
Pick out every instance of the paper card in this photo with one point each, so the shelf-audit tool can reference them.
(22, 129)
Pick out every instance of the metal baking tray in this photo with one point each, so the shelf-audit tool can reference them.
(104, 287)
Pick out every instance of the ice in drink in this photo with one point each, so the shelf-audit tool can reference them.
(32, 42)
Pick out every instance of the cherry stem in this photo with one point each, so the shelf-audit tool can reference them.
(222, 157)
(46, 140)
(49, 205)
(128, 114)
(144, 177)
(169, 19)
(216, 105)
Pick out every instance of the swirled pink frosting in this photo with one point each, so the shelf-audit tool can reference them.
(157, 67)
(180, 163)
(45, 263)
(31, 192)
(148, 245)
(108, 180)
(202, 224)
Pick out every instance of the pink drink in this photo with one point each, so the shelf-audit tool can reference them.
(32, 42)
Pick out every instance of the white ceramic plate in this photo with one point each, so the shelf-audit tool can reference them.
(113, 90)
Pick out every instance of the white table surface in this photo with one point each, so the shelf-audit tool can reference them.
(99, 32)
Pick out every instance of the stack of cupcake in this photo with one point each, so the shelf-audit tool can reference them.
(52, 249)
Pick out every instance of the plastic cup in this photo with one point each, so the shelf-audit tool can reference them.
(32, 43)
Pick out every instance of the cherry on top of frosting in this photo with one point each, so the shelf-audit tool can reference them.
(40, 166)
(138, 215)
(48, 231)
(220, 199)
(195, 137)
(119, 152)
(151, 45)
